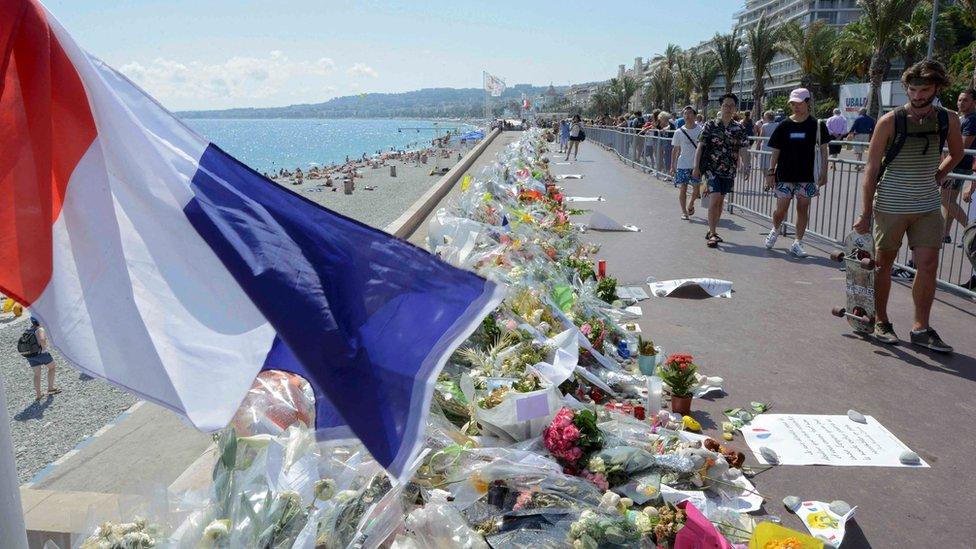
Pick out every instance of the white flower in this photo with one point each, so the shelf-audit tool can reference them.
(216, 530)
(138, 540)
(643, 523)
(597, 465)
(325, 489)
(345, 495)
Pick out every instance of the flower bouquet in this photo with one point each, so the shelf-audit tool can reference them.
(571, 437)
(678, 372)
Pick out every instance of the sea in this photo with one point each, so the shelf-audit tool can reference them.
(270, 144)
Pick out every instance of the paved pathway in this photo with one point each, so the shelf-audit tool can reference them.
(776, 341)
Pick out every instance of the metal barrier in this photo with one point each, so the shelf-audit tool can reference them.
(832, 213)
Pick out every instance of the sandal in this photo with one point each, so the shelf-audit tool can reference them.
(53, 391)
(717, 237)
(40, 398)
(691, 210)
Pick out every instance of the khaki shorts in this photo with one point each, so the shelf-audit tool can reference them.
(924, 229)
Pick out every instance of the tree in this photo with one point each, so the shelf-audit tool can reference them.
(810, 47)
(883, 19)
(684, 81)
(702, 72)
(728, 56)
(913, 43)
(661, 87)
(621, 90)
(967, 10)
(763, 43)
(852, 51)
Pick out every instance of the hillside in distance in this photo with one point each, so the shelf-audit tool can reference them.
(425, 103)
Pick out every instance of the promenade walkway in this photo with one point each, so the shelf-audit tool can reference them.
(776, 341)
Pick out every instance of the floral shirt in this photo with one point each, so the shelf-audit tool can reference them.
(722, 144)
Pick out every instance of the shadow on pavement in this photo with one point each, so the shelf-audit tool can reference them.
(956, 364)
(35, 410)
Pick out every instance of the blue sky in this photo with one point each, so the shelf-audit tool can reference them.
(224, 53)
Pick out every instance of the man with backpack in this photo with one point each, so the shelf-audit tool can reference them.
(33, 346)
(901, 190)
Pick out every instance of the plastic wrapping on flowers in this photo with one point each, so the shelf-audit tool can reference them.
(521, 446)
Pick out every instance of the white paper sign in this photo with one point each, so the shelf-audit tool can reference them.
(585, 199)
(603, 222)
(809, 439)
(712, 286)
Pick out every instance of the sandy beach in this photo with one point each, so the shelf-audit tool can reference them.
(389, 196)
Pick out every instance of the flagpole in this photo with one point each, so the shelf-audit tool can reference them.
(13, 532)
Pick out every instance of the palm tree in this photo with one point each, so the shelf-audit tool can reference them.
(808, 47)
(661, 87)
(702, 71)
(852, 51)
(968, 10)
(619, 92)
(763, 42)
(601, 102)
(914, 40)
(883, 18)
(684, 83)
(728, 56)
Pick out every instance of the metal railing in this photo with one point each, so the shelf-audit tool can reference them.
(832, 213)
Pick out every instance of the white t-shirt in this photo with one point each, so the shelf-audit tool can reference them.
(686, 158)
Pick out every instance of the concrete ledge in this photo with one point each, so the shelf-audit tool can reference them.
(407, 223)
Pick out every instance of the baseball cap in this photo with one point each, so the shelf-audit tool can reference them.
(799, 95)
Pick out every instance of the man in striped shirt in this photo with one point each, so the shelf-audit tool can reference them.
(907, 199)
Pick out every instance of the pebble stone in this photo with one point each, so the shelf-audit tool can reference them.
(840, 507)
(854, 415)
(46, 430)
(909, 457)
(769, 455)
(792, 503)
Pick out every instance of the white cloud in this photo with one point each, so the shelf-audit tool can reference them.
(362, 69)
(237, 80)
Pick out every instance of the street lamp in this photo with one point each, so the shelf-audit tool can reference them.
(743, 49)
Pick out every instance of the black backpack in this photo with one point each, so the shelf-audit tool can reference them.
(902, 134)
(27, 345)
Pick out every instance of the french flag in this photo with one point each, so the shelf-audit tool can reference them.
(161, 264)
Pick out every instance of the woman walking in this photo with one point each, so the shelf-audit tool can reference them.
(33, 346)
(576, 135)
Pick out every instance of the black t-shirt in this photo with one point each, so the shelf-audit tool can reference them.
(797, 152)
(968, 128)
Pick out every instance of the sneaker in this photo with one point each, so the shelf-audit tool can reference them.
(796, 249)
(684, 216)
(884, 333)
(929, 339)
(771, 238)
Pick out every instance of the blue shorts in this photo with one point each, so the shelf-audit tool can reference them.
(720, 185)
(683, 177)
(40, 359)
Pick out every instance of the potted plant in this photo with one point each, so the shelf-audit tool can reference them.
(678, 371)
(647, 356)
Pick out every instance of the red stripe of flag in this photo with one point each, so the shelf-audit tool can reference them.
(46, 126)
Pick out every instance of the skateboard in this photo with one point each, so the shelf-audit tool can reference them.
(859, 262)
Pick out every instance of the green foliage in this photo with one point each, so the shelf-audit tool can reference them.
(645, 347)
(679, 373)
(825, 108)
(776, 103)
(606, 289)
(591, 439)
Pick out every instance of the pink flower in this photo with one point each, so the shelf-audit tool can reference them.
(586, 329)
(597, 479)
(511, 325)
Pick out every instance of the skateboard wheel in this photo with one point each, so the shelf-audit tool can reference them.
(837, 256)
(838, 312)
(867, 263)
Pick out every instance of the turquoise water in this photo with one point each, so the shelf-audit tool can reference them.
(270, 144)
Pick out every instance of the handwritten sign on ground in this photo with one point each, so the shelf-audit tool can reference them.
(808, 439)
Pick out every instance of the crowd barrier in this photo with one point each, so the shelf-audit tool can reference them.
(832, 213)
